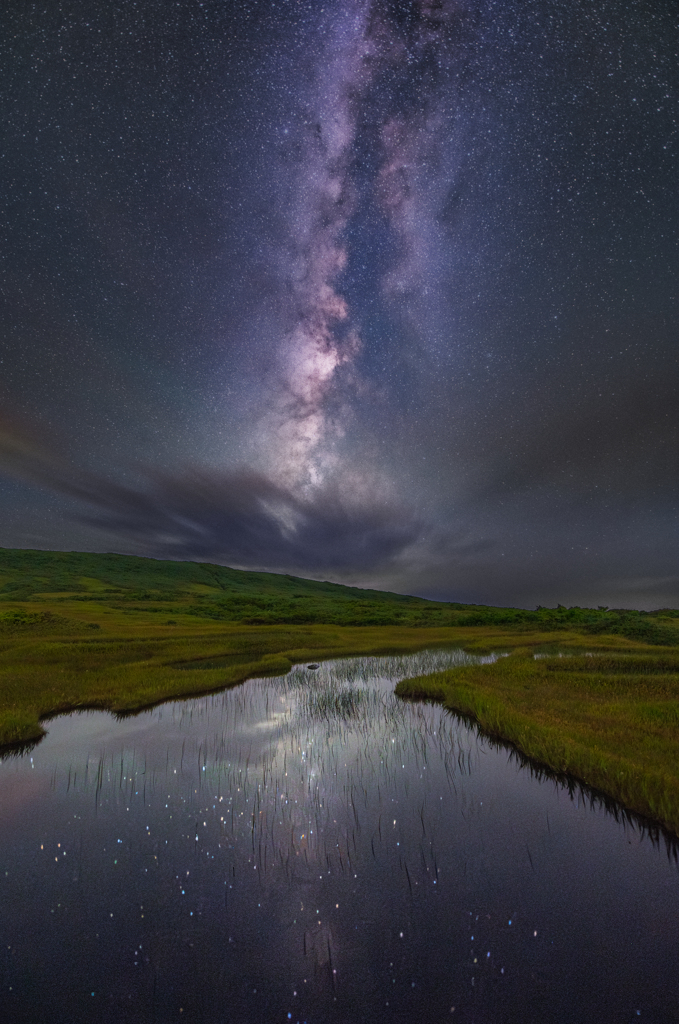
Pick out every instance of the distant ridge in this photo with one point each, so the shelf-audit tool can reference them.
(202, 589)
(217, 592)
(25, 572)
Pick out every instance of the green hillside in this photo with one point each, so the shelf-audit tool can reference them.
(195, 588)
(168, 589)
(24, 573)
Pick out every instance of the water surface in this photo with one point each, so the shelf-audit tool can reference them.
(310, 848)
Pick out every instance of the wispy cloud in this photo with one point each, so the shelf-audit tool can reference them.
(240, 517)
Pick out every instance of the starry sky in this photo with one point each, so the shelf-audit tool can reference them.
(377, 291)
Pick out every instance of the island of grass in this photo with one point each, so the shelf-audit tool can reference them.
(122, 633)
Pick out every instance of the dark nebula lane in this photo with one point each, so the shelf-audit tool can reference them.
(377, 290)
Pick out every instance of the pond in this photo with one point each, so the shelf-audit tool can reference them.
(312, 849)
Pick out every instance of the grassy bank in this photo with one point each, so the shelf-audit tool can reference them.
(75, 655)
(610, 720)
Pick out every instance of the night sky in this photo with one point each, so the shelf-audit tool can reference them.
(378, 292)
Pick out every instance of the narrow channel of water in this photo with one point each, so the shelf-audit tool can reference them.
(312, 849)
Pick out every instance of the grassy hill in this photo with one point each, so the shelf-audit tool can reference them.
(24, 573)
(170, 591)
(200, 589)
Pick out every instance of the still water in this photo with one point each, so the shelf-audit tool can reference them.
(312, 849)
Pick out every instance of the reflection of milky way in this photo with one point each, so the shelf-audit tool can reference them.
(311, 848)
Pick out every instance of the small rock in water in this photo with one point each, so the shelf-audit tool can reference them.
(312, 666)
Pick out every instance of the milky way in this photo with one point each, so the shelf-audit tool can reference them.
(383, 292)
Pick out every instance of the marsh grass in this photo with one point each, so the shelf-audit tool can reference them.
(336, 703)
(610, 721)
(91, 655)
(124, 666)
(342, 690)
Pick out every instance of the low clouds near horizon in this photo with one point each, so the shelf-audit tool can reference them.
(509, 547)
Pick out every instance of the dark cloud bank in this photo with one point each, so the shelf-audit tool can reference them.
(241, 517)
(523, 537)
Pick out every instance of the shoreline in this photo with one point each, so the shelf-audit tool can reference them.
(587, 726)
